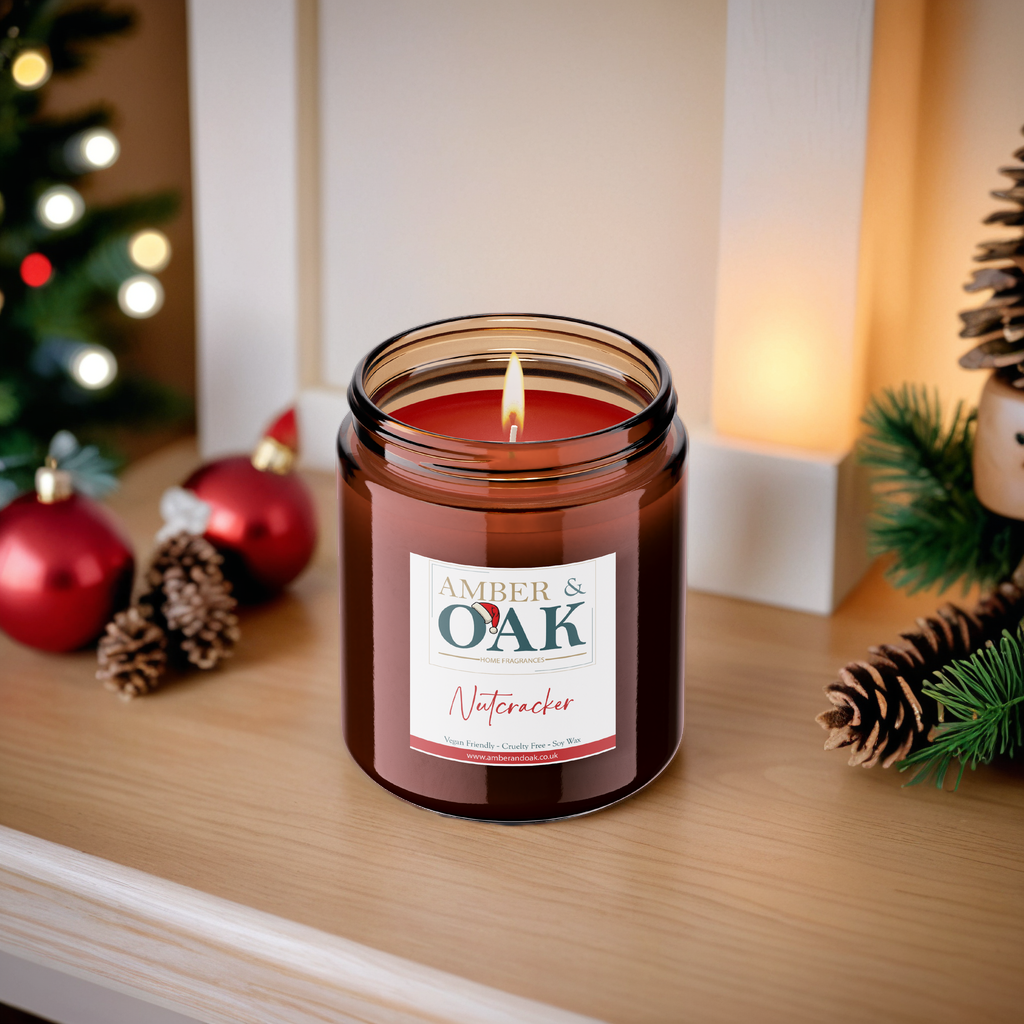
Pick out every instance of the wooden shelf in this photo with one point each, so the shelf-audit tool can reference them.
(213, 849)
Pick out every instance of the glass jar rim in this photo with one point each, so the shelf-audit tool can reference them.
(623, 440)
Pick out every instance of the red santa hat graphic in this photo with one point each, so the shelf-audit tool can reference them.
(489, 613)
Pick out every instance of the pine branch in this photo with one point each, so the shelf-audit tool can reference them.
(985, 695)
(881, 708)
(91, 472)
(910, 448)
(927, 514)
(70, 31)
(20, 453)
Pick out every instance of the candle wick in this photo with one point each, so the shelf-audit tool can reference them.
(512, 431)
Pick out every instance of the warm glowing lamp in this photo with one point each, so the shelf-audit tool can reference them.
(785, 374)
(513, 399)
(31, 69)
(778, 502)
(60, 207)
(140, 296)
(789, 353)
(93, 367)
(150, 250)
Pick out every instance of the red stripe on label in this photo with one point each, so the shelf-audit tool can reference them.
(512, 757)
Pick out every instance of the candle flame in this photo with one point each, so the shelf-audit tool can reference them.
(513, 398)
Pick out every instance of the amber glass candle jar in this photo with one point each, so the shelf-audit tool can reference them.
(512, 611)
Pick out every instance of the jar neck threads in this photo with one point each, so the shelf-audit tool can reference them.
(471, 354)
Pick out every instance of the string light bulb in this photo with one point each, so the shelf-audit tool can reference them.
(149, 250)
(31, 69)
(93, 367)
(92, 150)
(36, 270)
(140, 296)
(60, 207)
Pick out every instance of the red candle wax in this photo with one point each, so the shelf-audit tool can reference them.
(476, 415)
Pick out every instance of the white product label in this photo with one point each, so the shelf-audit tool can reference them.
(512, 666)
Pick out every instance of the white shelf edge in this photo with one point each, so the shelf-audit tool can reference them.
(214, 960)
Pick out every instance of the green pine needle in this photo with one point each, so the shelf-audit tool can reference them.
(984, 694)
(927, 515)
(91, 472)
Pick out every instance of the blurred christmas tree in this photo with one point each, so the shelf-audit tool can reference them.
(71, 274)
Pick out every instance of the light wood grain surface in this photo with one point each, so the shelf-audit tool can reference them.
(758, 879)
(221, 962)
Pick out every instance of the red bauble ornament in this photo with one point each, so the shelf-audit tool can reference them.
(262, 517)
(65, 568)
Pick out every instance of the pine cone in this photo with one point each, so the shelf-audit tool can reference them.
(185, 550)
(998, 325)
(132, 654)
(879, 707)
(193, 599)
(199, 611)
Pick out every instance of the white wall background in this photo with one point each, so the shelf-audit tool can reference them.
(566, 156)
(243, 99)
(552, 156)
(560, 155)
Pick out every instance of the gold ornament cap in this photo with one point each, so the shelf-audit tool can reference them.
(271, 456)
(279, 445)
(53, 484)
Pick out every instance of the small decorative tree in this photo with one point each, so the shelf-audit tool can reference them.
(72, 274)
(951, 509)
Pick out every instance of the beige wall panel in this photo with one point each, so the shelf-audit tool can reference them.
(243, 59)
(554, 156)
(796, 113)
(971, 111)
(886, 279)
